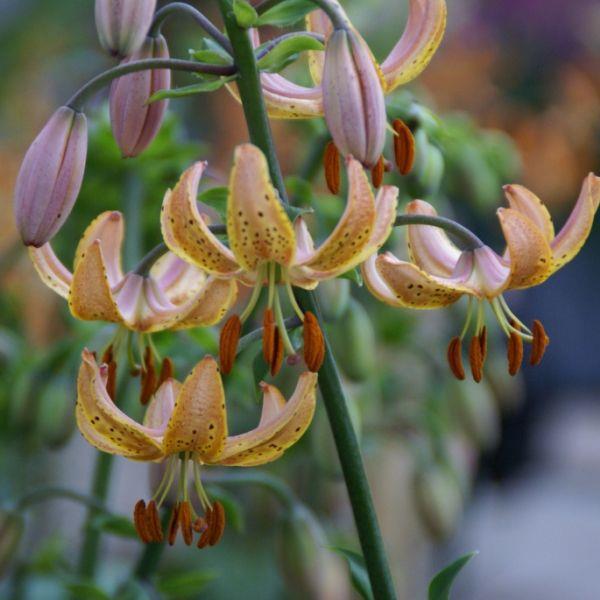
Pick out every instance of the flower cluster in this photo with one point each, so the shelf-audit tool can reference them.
(194, 278)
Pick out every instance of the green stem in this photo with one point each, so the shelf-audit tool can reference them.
(467, 237)
(204, 22)
(329, 381)
(48, 493)
(152, 553)
(78, 100)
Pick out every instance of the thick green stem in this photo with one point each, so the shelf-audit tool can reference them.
(78, 100)
(469, 240)
(329, 380)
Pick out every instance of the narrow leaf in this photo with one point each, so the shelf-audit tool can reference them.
(358, 572)
(245, 14)
(210, 85)
(353, 275)
(287, 51)
(286, 13)
(185, 585)
(439, 588)
(115, 525)
(86, 590)
(212, 57)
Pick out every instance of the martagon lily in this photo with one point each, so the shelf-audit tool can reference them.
(186, 424)
(439, 273)
(266, 248)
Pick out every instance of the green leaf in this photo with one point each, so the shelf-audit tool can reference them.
(89, 591)
(115, 525)
(353, 275)
(216, 198)
(245, 14)
(208, 85)
(210, 56)
(300, 190)
(358, 572)
(439, 588)
(132, 590)
(286, 13)
(287, 51)
(185, 585)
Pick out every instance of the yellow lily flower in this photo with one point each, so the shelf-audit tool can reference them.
(186, 423)
(439, 273)
(263, 239)
(173, 295)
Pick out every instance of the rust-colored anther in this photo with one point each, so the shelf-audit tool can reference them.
(167, 371)
(228, 344)
(331, 164)
(200, 525)
(108, 355)
(273, 350)
(476, 359)
(185, 523)
(377, 173)
(314, 343)
(217, 523)
(514, 353)
(153, 522)
(483, 343)
(404, 147)
(455, 358)
(279, 353)
(206, 534)
(111, 375)
(173, 525)
(539, 344)
(149, 378)
(140, 523)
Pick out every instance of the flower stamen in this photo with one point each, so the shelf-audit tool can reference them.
(331, 164)
(228, 343)
(404, 147)
(455, 358)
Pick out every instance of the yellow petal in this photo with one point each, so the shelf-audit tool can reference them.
(576, 230)
(259, 229)
(51, 270)
(282, 425)
(528, 249)
(421, 38)
(91, 298)
(199, 421)
(403, 284)
(217, 298)
(528, 204)
(104, 425)
(185, 231)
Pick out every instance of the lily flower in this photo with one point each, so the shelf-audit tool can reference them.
(186, 423)
(350, 83)
(439, 273)
(172, 295)
(266, 248)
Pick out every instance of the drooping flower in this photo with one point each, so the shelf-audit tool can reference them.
(439, 273)
(173, 295)
(266, 248)
(134, 122)
(123, 24)
(186, 423)
(350, 84)
(50, 177)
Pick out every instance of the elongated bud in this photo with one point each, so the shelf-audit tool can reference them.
(50, 177)
(135, 123)
(353, 99)
(228, 343)
(123, 24)
(404, 147)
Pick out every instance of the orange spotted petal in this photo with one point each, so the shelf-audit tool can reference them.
(527, 203)
(199, 422)
(258, 227)
(282, 424)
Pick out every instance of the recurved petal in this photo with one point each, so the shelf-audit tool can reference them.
(161, 405)
(429, 247)
(199, 421)
(258, 227)
(185, 231)
(528, 204)
(353, 231)
(422, 36)
(281, 426)
(211, 305)
(90, 297)
(403, 284)
(103, 424)
(528, 249)
(576, 230)
(51, 270)
(107, 229)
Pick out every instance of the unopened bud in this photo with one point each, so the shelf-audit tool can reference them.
(353, 99)
(123, 24)
(50, 177)
(135, 123)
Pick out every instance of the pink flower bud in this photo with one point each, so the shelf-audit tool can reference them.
(353, 98)
(123, 24)
(50, 177)
(135, 123)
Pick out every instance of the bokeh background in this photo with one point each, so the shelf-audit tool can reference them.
(509, 467)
